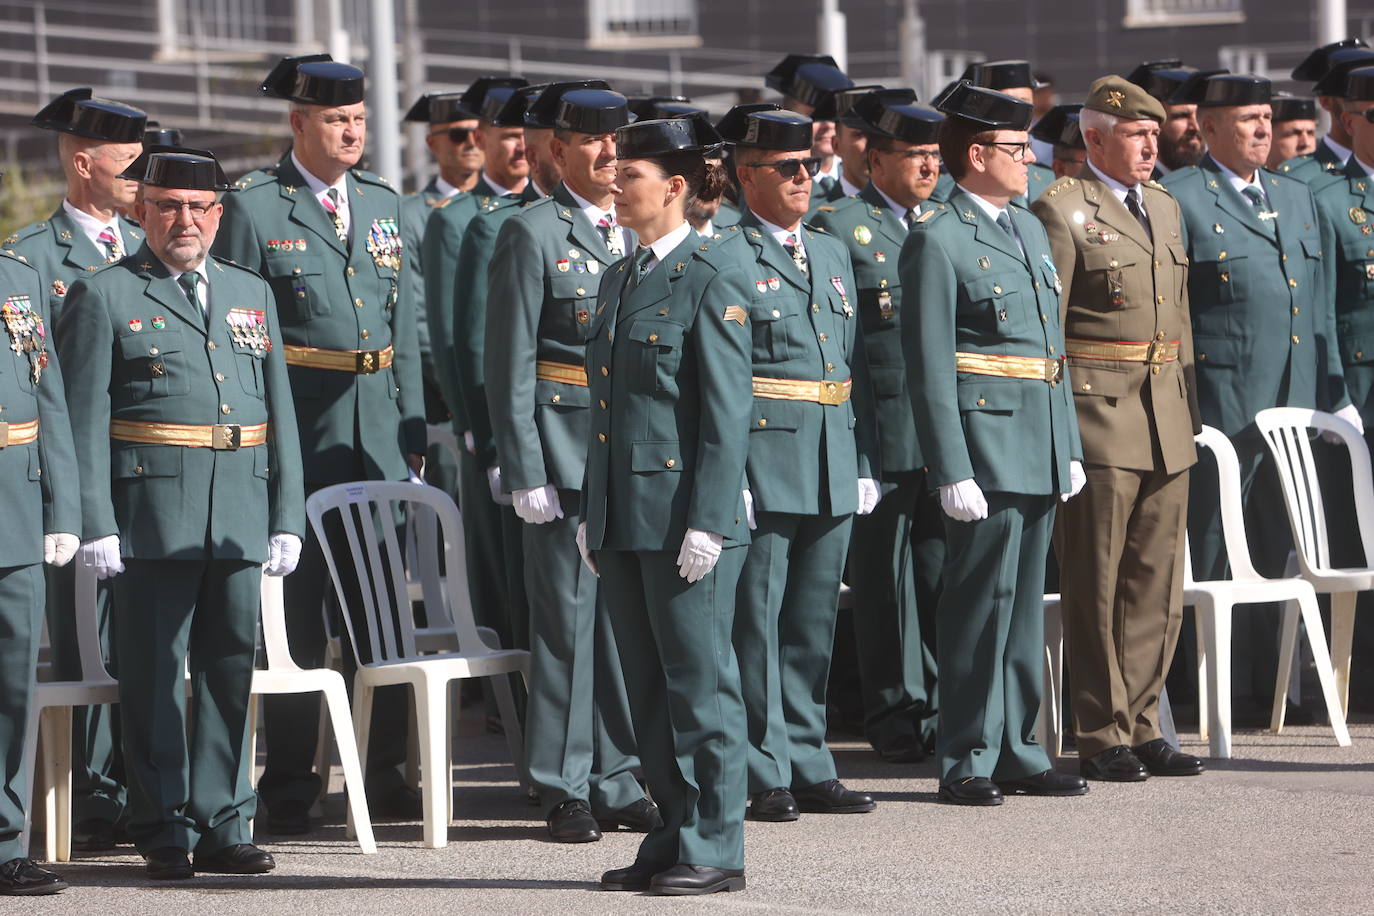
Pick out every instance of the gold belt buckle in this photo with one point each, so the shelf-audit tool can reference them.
(367, 362)
(1056, 371)
(4, 435)
(1159, 352)
(226, 438)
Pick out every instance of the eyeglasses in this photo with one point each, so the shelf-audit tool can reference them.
(788, 168)
(1017, 151)
(171, 209)
(922, 156)
(457, 135)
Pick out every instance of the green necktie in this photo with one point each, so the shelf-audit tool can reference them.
(190, 285)
(1256, 198)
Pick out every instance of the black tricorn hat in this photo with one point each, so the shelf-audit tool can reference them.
(1332, 82)
(852, 113)
(474, 98)
(1289, 107)
(807, 78)
(1193, 89)
(57, 114)
(591, 111)
(896, 118)
(664, 106)
(654, 137)
(1060, 127)
(1161, 78)
(543, 106)
(836, 105)
(1228, 89)
(192, 171)
(440, 108)
(1001, 74)
(1316, 64)
(315, 79)
(765, 126)
(1359, 87)
(154, 134)
(514, 111)
(136, 169)
(986, 108)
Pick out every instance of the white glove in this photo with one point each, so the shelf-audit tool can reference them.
(1350, 414)
(58, 549)
(582, 549)
(699, 553)
(749, 510)
(103, 555)
(469, 443)
(1078, 479)
(415, 478)
(964, 501)
(498, 496)
(283, 553)
(537, 505)
(868, 495)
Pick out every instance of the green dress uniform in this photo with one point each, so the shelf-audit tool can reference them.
(1040, 177)
(727, 215)
(348, 331)
(193, 503)
(1315, 169)
(806, 454)
(667, 359)
(38, 474)
(544, 274)
(897, 552)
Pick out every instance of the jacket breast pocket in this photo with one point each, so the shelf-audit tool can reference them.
(140, 462)
(1218, 275)
(777, 334)
(1179, 255)
(1217, 352)
(297, 280)
(1090, 381)
(656, 457)
(250, 370)
(1106, 268)
(574, 296)
(993, 305)
(154, 364)
(656, 345)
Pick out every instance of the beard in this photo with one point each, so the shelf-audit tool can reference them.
(1178, 156)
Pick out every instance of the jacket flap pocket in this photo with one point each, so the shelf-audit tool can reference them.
(989, 287)
(146, 461)
(655, 456)
(288, 264)
(1179, 252)
(1312, 247)
(771, 413)
(1212, 248)
(149, 343)
(1357, 348)
(657, 332)
(1217, 351)
(561, 394)
(888, 381)
(1100, 381)
(982, 393)
(1109, 258)
(573, 286)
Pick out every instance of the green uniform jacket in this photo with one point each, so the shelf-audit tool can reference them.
(547, 267)
(873, 236)
(1263, 322)
(1038, 177)
(415, 211)
(335, 298)
(805, 457)
(727, 215)
(39, 479)
(944, 188)
(140, 351)
(63, 254)
(1346, 210)
(971, 290)
(670, 434)
(1316, 168)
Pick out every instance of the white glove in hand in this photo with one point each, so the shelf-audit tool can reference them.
(102, 554)
(469, 443)
(699, 553)
(283, 553)
(58, 549)
(1350, 414)
(749, 510)
(963, 501)
(1078, 479)
(582, 549)
(537, 505)
(498, 496)
(868, 495)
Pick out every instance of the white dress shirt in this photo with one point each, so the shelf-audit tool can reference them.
(91, 227)
(321, 190)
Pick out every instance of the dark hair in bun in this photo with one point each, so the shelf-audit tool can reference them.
(706, 178)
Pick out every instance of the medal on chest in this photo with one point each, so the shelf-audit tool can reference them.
(384, 243)
(248, 328)
(27, 334)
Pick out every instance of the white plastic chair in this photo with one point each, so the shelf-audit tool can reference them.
(1051, 726)
(282, 675)
(1213, 602)
(363, 510)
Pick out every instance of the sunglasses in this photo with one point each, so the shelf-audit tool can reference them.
(788, 168)
(455, 134)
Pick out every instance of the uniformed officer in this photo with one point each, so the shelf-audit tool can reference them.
(998, 434)
(1059, 129)
(1327, 67)
(186, 437)
(897, 552)
(667, 358)
(544, 274)
(850, 141)
(97, 140)
(1014, 78)
(806, 82)
(326, 236)
(1263, 331)
(704, 215)
(1295, 128)
(812, 460)
(1180, 143)
(42, 498)
(1115, 236)
(1044, 99)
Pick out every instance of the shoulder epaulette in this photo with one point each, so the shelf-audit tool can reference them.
(233, 263)
(826, 209)
(930, 215)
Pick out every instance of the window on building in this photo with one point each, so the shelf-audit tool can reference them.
(1153, 13)
(642, 23)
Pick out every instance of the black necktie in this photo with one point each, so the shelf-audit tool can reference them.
(1133, 204)
(911, 216)
(1256, 198)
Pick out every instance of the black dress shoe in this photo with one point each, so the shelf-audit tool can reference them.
(1115, 764)
(906, 749)
(1049, 782)
(773, 805)
(401, 803)
(288, 817)
(22, 878)
(682, 880)
(634, 878)
(831, 797)
(94, 834)
(641, 817)
(975, 790)
(239, 859)
(168, 863)
(1162, 760)
(572, 822)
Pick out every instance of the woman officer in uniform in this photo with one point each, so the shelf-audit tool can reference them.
(668, 364)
